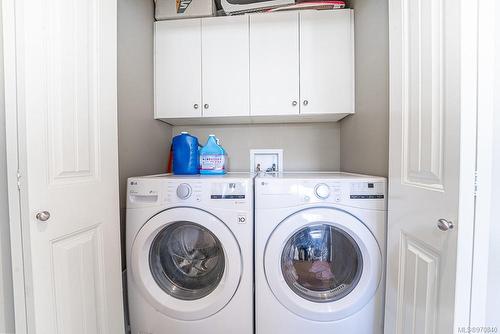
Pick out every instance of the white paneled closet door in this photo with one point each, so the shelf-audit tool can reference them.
(432, 161)
(63, 91)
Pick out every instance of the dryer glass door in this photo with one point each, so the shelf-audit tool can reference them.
(187, 260)
(321, 263)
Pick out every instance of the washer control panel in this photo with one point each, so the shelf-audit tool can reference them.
(322, 190)
(229, 190)
(184, 191)
(221, 193)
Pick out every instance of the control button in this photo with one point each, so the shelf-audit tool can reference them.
(306, 198)
(322, 191)
(184, 191)
(242, 219)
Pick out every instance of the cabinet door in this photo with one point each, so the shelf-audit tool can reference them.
(326, 62)
(274, 64)
(178, 68)
(225, 66)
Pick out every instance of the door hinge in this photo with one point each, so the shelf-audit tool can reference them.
(475, 183)
(18, 180)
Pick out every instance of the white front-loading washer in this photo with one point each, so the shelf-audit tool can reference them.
(319, 253)
(190, 254)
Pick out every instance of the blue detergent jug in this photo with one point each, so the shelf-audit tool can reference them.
(185, 154)
(212, 158)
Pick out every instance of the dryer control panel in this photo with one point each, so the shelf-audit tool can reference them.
(367, 190)
(353, 191)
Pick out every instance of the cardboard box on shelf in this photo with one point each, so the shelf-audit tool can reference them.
(179, 9)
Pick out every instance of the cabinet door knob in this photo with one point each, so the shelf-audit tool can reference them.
(195, 106)
(306, 102)
(206, 106)
(43, 216)
(294, 103)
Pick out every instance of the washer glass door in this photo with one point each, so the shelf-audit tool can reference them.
(321, 263)
(187, 263)
(187, 260)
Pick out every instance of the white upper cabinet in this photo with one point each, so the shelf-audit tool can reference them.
(225, 66)
(326, 62)
(259, 68)
(274, 64)
(178, 69)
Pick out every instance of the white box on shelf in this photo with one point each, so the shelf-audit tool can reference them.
(266, 160)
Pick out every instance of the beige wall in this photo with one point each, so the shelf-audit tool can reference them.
(6, 290)
(358, 143)
(364, 136)
(314, 146)
(144, 143)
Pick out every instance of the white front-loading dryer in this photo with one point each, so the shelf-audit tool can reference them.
(319, 253)
(190, 254)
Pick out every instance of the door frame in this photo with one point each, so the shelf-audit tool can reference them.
(468, 151)
(16, 167)
(488, 76)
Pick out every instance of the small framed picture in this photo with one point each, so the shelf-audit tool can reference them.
(266, 160)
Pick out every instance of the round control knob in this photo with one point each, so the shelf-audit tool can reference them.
(184, 191)
(322, 191)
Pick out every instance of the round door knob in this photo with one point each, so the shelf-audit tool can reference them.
(294, 103)
(195, 106)
(322, 191)
(184, 191)
(445, 225)
(206, 106)
(306, 102)
(43, 216)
